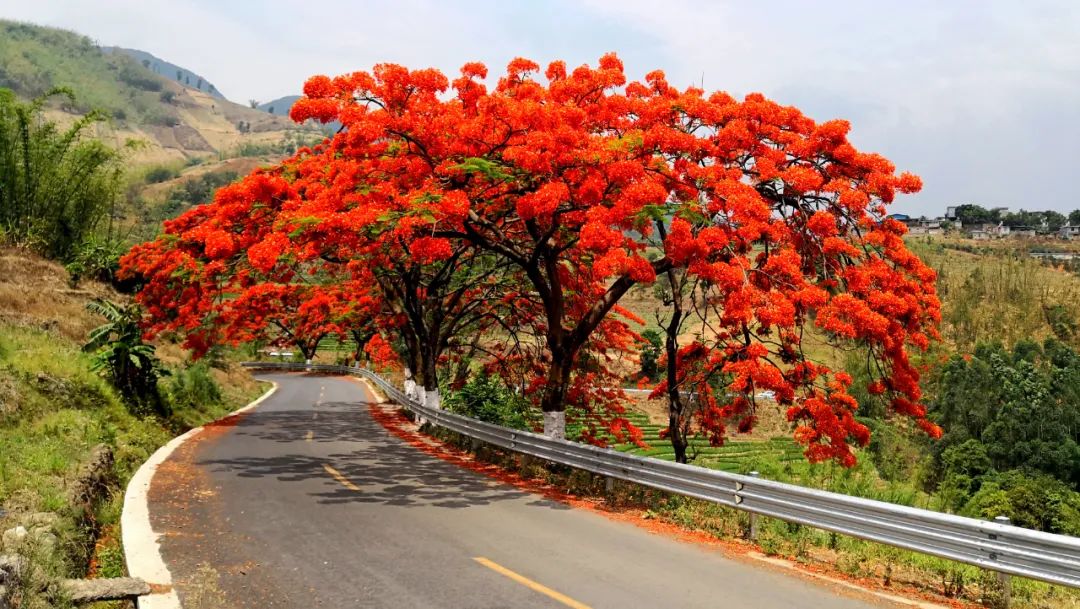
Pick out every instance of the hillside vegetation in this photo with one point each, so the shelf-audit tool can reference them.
(174, 120)
(83, 399)
(55, 411)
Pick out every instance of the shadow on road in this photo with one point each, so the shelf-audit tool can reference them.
(273, 443)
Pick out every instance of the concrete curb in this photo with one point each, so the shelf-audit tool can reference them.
(142, 551)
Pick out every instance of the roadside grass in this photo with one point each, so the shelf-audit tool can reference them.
(53, 412)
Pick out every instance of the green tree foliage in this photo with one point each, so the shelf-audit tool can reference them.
(975, 214)
(1036, 502)
(970, 214)
(1054, 220)
(121, 356)
(57, 186)
(1074, 217)
(160, 173)
(650, 353)
(1012, 440)
(1035, 219)
(194, 191)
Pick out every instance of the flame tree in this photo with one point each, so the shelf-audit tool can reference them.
(560, 193)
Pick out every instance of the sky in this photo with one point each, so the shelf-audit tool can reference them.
(980, 98)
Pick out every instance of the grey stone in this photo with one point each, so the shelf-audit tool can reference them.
(119, 588)
(14, 537)
(11, 566)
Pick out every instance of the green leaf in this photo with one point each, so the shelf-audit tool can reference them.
(490, 169)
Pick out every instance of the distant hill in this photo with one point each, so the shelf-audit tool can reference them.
(279, 106)
(282, 105)
(168, 70)
(177, 121)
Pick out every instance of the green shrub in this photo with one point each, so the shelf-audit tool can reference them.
(160, 173)
(96, 259)
(486, 398)
(193, 388)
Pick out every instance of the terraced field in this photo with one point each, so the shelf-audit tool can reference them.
(736, 456)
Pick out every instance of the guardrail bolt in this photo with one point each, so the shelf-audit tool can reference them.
(1004, 581)
(753, 516)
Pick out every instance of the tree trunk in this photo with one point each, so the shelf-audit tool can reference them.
(431, 374)
(553, 401)
(676, 407)
(677, 437)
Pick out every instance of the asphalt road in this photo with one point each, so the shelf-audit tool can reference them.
(309, 502)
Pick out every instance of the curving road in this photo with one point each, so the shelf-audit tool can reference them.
(308, 502)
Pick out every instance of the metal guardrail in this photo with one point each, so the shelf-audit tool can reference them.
(991, 545)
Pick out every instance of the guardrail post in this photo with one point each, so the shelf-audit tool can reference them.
(753, 516)
(1004, 581)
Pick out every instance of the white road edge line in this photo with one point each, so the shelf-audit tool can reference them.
(142, 551)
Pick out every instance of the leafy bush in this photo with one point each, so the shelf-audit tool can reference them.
(96, 259)
(193, 387)
(1023, 406)
(486, 398)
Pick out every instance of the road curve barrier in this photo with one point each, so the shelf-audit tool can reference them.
(991, 545)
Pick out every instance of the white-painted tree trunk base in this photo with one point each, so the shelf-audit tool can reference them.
(432, 398)
(555, 425)
(418, 390)
(410, 384)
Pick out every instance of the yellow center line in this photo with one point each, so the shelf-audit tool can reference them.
(309, 436)
(340, 478)
(528, 583)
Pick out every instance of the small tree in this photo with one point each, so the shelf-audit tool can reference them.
(122, 357)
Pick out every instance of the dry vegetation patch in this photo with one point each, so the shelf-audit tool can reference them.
(36, 293)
